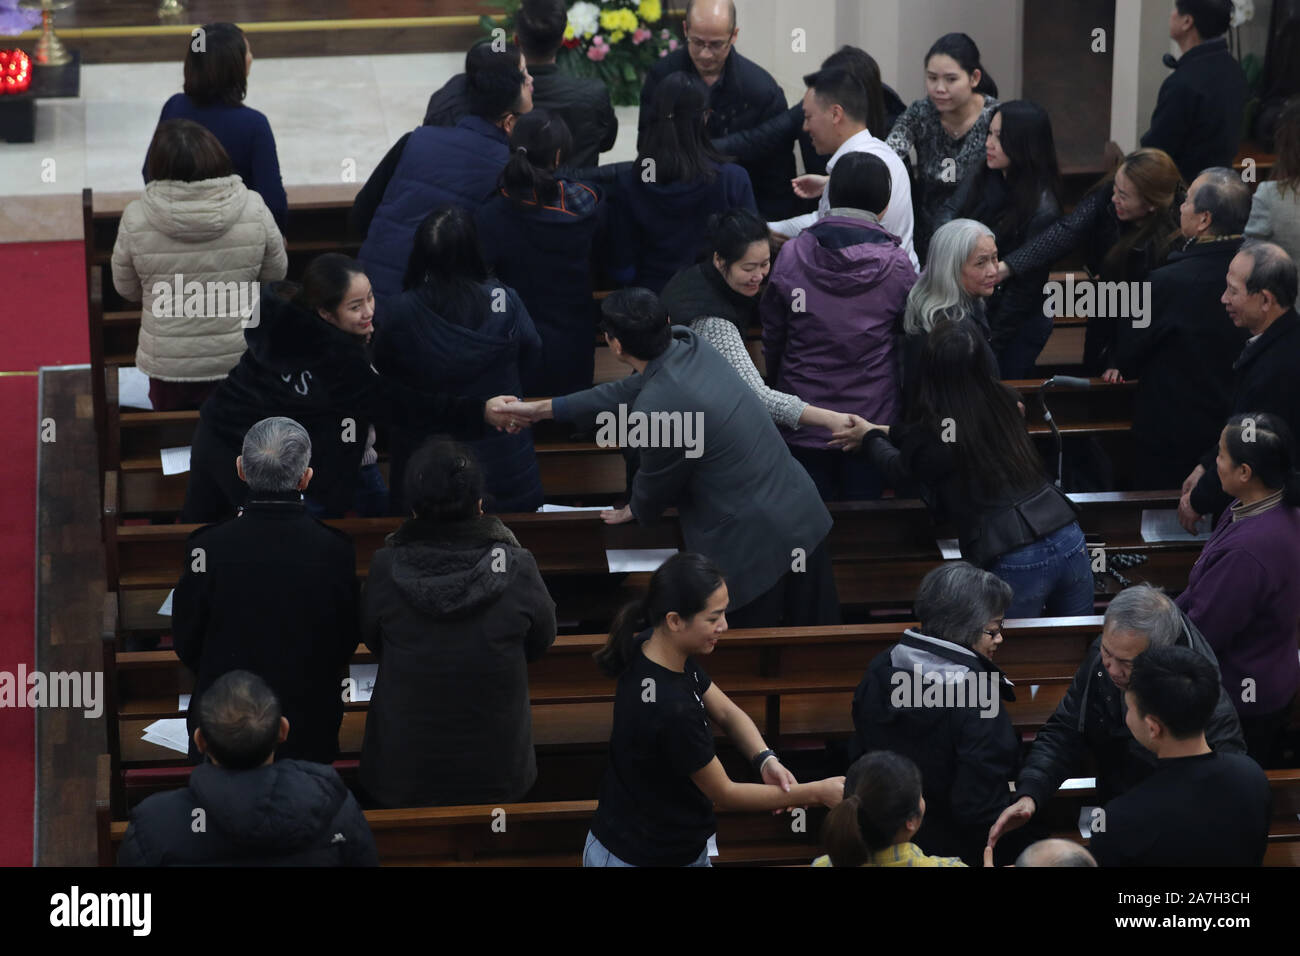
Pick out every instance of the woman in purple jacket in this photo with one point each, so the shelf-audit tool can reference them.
(830, 314)
(1244, 590)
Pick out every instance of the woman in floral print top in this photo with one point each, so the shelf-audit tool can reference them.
(948, 128)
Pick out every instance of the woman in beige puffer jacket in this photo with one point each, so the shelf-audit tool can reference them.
(208, 229)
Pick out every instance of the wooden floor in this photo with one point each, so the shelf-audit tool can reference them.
(69, 599)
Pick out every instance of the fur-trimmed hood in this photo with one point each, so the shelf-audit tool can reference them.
(446, 569)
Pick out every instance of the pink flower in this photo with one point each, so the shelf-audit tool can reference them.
(672, 44)
(662, 54)
(640, 35)
(598, 50)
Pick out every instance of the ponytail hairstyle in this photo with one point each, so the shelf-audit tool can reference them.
(677, 139)
(1265, 442)
(882, 791)
(325, 282)
(529, 174)
(683, 584)
(963, 49)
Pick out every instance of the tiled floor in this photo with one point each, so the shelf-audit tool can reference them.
(333, 118)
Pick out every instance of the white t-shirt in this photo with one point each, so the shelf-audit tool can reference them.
(897, 218)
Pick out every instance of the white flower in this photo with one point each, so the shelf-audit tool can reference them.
(584, 17)
(1242, 12)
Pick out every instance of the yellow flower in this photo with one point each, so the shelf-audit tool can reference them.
(616, 36)
(608, 19)
(568, 32)
(650, 10)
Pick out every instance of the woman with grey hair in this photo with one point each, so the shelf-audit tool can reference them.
(936, 697)
(960, 273)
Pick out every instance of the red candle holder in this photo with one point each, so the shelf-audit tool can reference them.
(15, 72)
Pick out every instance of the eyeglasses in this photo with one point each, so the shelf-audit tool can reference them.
(713, 46)
(993, 632)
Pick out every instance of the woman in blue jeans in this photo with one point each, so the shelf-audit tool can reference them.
(964, 449)
(664, 778)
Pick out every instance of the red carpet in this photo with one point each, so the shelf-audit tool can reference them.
(44, 325)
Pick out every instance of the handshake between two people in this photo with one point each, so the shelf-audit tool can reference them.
(506, 413)
(848, 431)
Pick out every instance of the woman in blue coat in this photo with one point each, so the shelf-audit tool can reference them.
(537, 232)
(458, 327)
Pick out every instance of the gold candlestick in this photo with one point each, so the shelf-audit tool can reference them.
(50, 50)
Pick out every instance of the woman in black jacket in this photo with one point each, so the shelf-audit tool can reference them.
(457, 326)
(308, 360)
(453, 609)
(538, 233)
(964, 449)
(1125, 227)
(1017, 194)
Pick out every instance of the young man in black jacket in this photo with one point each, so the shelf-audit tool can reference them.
(741, 96)
(1090, 720)
(1170, 697)
(1182, 354)
(243, 807)
(1260, 298)
(273, 591)
(1198, 114)
(583, 103)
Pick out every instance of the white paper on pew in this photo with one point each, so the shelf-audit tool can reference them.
(363, 678)
(1162, 525)
(1079, 783)
(950, 548)
(1033, 691)
(166, 609)
(550, 507)
(1085, 822)
(175, 461)
(713, 845)
(132, 388)
(623, 560)
(184, 702)
(170, 732)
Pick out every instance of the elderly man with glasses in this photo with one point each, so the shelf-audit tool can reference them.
(741, 95)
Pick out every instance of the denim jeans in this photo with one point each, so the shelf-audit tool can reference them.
(595, 854)
(1050, 577)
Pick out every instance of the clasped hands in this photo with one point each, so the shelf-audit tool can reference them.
(849, 431)
(506, 413)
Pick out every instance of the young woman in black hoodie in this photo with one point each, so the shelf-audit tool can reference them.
(308, 359)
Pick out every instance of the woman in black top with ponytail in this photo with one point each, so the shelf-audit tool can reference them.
(881, 813)
(664, 777)
(537, 233)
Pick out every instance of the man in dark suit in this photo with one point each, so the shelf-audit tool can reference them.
(741, 95)
(1181, 353)
(1198, 114)
(582, 103)
(707, 446)
(1260, 298)
(273, 591)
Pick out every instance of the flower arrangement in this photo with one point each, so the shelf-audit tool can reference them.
(614, 41)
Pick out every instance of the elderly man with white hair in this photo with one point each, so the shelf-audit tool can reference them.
(273, 591)
(1091, 717)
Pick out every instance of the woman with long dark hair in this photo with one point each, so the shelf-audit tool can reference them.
(1241, 593)
(538, 233)
(963, 446)
(1275, 211)
(664, 778)
(217, 63)
(1017, 194)
(309, 359)
(947, 128)
(881, 812)
(678, 180)
(1125, 227)
(457, 326)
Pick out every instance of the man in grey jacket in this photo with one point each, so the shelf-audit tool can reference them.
(707, 445)
(1090, 719)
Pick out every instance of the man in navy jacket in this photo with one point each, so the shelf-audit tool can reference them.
(1198, 114)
